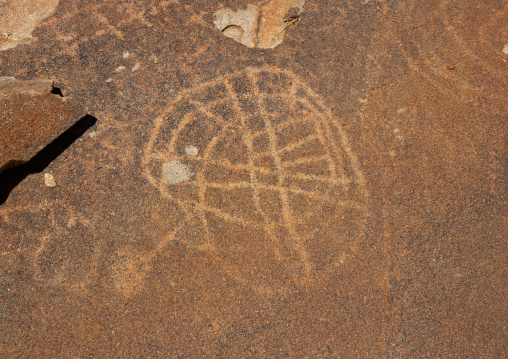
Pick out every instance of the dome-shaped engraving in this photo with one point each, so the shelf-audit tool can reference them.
(270, 187)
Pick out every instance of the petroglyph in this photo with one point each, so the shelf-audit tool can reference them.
(261, 26)
(71, 264)
(450, 39)
(276, 196)
(129, 271)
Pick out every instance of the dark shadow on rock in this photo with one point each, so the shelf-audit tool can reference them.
(56, 91)
(11, 177)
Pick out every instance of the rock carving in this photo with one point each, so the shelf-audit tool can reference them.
(276, 195)
(72, 264)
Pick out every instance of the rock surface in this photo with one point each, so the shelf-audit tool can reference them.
(342, 195)
(262, 26)
(18, 18)
(30, 118)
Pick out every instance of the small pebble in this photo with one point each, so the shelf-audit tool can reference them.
(49, 180)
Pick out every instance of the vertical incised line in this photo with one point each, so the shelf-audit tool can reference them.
(252, 171)
(286, 211)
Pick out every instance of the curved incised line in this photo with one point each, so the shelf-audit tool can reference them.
(283, 179)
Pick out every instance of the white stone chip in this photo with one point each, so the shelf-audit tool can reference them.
(49, 180)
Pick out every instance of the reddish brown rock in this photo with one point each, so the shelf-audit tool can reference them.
(341, 195)
(30, 118)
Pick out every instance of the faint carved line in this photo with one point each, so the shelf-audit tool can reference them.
(296, 144)
(313, 194)
(286, 212)
(168, 238)
(223, 162)
(293, 89)
(183, 123)
(322, 139)
(426, 66)
(294, 121)
(200, 107)
(252, 172)
(200, 175)
(234, 219)
(305, 160)
(256, 134)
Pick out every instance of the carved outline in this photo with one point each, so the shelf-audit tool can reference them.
(326, 125)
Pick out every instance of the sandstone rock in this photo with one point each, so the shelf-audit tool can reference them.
(18, 18)
(30, 118)
(262, 26)
(218, 210)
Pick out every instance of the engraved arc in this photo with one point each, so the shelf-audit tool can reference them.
(304, 160)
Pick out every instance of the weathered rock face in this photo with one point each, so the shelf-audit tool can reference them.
(340, 195)
(18, 18)
(30, 118)
(262, 26)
